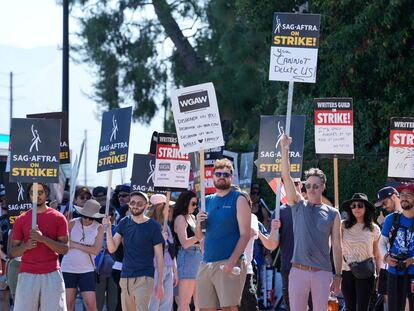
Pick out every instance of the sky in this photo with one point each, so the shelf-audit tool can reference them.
(30, 43)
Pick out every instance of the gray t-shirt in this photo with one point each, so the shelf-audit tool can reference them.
(312, 225)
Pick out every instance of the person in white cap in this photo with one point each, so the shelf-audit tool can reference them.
(159, 211)
(142, 239)
(78, 265)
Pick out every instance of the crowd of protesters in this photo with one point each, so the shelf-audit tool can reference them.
(149, 253)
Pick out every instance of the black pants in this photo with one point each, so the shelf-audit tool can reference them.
(356, 292)
(399, 288)
(116, 275)
(249, 297)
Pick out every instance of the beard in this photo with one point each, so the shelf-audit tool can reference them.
(222, 185)
(136, 212)
(406, 206)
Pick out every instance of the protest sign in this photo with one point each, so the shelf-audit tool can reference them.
(334, 133)
(211, 155)
(64, 154)
(17, 199)
(113, 146)
(269, 157)
(143, 171)
(246, 171)
(197, 118)
(35, 150)
(172, 166)
(294, 50)
(401, 153)
(233, 157)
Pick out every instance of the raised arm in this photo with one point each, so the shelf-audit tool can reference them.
(112, 242)
(292, 195)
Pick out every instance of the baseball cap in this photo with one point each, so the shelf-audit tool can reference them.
(159, 198)
(409, 187)
(384, 193)
(99, 191)
(143, 194)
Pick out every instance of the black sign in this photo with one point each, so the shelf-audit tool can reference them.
(35, 150)
(296, 30)
(17, 199)
(64, 155)
(269, 158)
(113, 146)
(193, 101)
(143, 170)
(212, 154)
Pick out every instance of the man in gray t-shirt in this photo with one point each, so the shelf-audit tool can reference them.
(314, 226)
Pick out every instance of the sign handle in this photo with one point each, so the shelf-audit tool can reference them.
(166, 210)
(202, 189)
(108, 193)
(336, 188)
(34, 206)
(287, 132)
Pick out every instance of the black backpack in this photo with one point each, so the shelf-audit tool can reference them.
(395, 226)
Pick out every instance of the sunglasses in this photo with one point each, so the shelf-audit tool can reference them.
(224, 174)
(312, 186)
(194, 203)
(124, 195)
(84, 197)
(255, 193)
(88, 218)
(138, 204)
(357, 205)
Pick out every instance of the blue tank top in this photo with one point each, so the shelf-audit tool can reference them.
(222, 228)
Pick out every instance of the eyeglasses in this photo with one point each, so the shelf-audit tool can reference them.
(313, 186)
(357, 205)
(224, 174)
(84, 197)
(123, 195)
(137, 203)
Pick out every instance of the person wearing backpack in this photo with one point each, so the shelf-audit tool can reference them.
(397, 243)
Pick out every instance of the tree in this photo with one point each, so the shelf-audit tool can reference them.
(366, 52)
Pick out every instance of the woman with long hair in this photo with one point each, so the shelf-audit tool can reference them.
(189, 251)
(159, 211)
(78, 265)
(360, 237)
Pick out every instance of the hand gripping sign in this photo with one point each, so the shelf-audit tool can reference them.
(401, 153)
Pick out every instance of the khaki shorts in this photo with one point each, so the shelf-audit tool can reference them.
(136, 293)
(218, 289)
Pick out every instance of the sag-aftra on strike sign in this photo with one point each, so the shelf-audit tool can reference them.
(197, 118)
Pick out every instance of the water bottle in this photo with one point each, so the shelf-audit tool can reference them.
(333, 304)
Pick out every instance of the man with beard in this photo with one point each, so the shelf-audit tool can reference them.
(142, 238)
(222, 273)
(397, 233)
(316, 226)
(40, 284)
(389, 199)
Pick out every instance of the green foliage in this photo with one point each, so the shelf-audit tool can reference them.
(366, 52)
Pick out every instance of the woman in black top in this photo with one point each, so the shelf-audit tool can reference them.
(189, 252)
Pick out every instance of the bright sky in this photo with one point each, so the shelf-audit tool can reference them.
(26, 26)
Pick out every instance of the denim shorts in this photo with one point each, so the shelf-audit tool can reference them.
(188, 261)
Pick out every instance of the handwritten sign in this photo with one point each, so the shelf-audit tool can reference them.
(197, 118)
(401, 153)
(334, 132)
(294, 51)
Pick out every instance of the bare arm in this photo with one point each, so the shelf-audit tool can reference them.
(268, 241)
(159, 257)
(292, 196)
(383, 247)
(244, 222)
(377, 255)
(180, 227)
(60, 246)
(91, 249)
(112, 242)
(337, 244)
(201, 216)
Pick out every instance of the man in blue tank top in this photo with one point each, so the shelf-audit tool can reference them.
(315, 226)
(222, 273)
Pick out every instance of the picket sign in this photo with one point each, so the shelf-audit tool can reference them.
(34, 205)
(74, 178)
